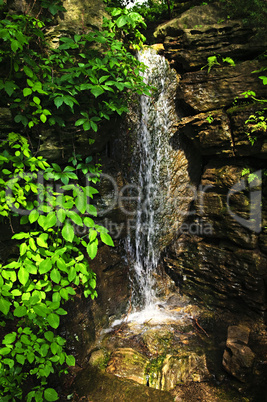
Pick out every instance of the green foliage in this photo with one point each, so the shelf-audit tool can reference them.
(153, 10)
(253, 12)
(92, 74)
(210, 119)
(213, 60)
(256, 123)
(80, 83)
(51, 263)
(125, 24)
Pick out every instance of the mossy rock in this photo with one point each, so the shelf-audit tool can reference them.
(127, 363)
(103, 387)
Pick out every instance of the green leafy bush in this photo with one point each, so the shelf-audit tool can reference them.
(253, 12)
(51, 263)
(78, 84)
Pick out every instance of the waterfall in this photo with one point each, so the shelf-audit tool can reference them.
(152, 150)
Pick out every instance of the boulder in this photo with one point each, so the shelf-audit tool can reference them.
(227, 133)
(203, 91)
(210, 132)
(183, 368)
(97, 386)
(128, 363)
(238, 358)
(220, 274)
(248, 132)
(158, 340)
(199, 15)
(112, 286)
(204, 31)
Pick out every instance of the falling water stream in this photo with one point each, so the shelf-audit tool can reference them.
(153, 152)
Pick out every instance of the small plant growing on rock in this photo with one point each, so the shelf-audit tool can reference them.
(210, 119)
(213, 60)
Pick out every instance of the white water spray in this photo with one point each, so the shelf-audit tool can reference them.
(152, 151)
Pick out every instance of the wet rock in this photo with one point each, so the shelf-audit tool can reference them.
(224, 202)
(204, 391)
(238, 358)
(112, 286)
(183, 368)
(204, 91)
(210, 132)
(204, 31)
(82, 13)
(247, 139)
(59, 144)
(220, 275)
(158, 340)
(199, 15)
(128, 363)
(78, 327)
(104, 387)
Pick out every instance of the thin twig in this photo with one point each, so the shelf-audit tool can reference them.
(199, 326)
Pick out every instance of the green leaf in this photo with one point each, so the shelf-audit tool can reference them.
(45, 266)
(23, 276)
(21, 235)
(34, 215)
(80, 122)
(55, 348)
(50, 220)
(72, 274)
(23, 248)
(20, 359)
(97, 90)
(9, 338)
(92, 235)
(92, 249)
(20, 311)
(28, 71)
(5, 351)
(9, 87)
(32, 245)
(43, 118)
(61, 215)
(15, 45)
(89, 222)
(92, 283)
(121, 21)
(55, 275)
(81, 202)
(53, 8)
(53, 320)
(87, 125)
(264, 79)
(68, 232)
(51, 395)
(27, 91)
(4, 306)
(58, 101)
(105, 237)
(75, 218)
(41, 310)
(41, 240)
(36, 100)
(70, 360)
(49, 336)
(9, 362)
(44, 349)
(94, 126)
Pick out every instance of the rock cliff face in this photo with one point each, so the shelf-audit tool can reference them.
(219, 254)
